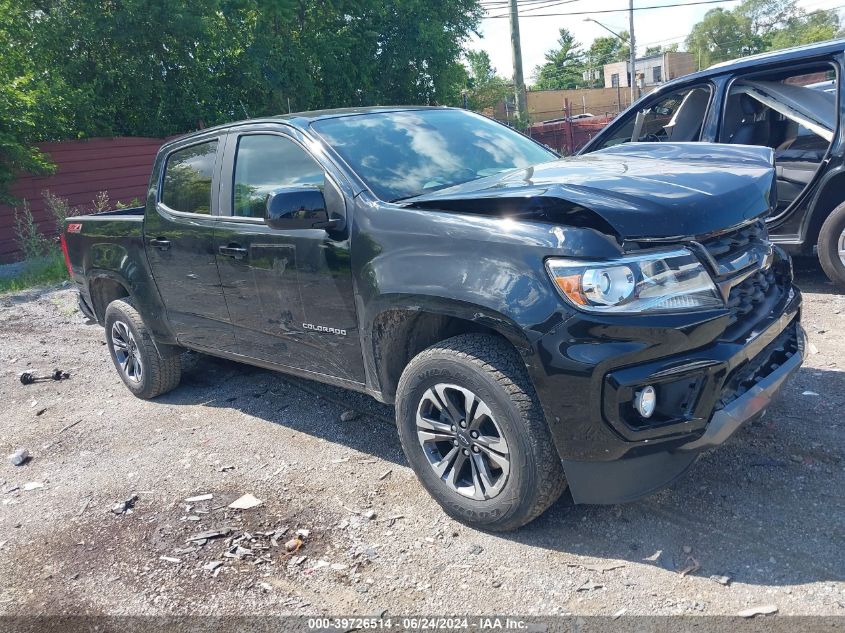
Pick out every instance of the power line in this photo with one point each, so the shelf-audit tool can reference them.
(594, 11)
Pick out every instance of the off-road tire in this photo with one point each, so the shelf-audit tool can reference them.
(162, 368)
(828, 245)
(492, 369)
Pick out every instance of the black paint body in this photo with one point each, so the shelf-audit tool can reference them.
(468, 258)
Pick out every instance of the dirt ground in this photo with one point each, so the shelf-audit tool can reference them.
(767, 510)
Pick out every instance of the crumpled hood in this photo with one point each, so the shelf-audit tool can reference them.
(642, 190)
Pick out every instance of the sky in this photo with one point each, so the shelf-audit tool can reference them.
(651, 27)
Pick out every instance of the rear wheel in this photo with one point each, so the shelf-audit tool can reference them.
(831, 245)
(474, 433)
(147, 371)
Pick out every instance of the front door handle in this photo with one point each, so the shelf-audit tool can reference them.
(160, 243)
(233, 250)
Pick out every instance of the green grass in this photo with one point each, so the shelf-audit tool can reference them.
(44, 271)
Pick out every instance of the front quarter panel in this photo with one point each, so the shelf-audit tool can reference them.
(489, 270)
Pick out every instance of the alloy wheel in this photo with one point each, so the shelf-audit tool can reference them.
(462, 441)
(126, 351)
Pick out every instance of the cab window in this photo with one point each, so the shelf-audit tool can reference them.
(186, 185)
(677, 116)
(264, 163)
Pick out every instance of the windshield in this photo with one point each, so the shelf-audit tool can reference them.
(407, 153)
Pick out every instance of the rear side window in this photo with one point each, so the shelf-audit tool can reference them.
(187, 178)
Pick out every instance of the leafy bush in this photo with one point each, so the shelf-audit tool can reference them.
(32, 242)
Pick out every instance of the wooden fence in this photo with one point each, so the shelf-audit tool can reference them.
(119, 166)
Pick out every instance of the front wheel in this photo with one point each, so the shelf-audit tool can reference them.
(475, 435)
(831, 245)
(147, 371)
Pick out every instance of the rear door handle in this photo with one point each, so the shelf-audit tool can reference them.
(234, 251)
(160, 243)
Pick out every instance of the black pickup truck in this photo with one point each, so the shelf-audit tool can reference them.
(593, 322)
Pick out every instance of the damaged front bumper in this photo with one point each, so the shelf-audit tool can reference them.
(709, 391)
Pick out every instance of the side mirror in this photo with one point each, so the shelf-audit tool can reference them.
(297, 208)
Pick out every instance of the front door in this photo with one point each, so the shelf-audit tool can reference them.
(289, 292)
(179, 244)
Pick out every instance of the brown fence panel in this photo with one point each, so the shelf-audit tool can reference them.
(119, 166)
(567, 137)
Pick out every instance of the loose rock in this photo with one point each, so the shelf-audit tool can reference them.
(766, 609)
(19, 457)
(348, 416)
(124, 506)
(245, 502)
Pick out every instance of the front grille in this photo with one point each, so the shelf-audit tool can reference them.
(751, 299)
(722, 247)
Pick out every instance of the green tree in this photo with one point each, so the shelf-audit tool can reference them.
(160, 67)
(485, 89)
(604, 50)
(721, 35)
(22, 90)
(817, 26)
(564, 67)
(756, 26)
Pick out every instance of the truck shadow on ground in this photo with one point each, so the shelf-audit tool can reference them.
(764, 509)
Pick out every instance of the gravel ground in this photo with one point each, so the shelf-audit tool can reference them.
(766, 510)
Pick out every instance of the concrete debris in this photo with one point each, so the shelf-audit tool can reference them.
(238, 552)
(339, 566)
(654, 557)
(370, 515)
(19, 457)
(212, 534)
(809, 393)
(620, 613)
(296, 561)
(170, 559)
(348, 416)
(212, 565)
(125, 506)
(303, 533)
(245, 502)
(766, 609)
(32, 485)
(722, 580)
(385, 474)
(476, 549)
(206, 497)
(589, 586)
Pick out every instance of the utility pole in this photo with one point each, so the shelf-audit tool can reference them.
(516, 48)
(633, 41)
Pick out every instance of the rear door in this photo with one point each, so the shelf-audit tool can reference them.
(179, 239)
(289, 292)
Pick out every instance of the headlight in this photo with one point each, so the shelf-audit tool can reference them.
(673, 281)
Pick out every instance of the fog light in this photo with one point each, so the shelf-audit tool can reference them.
(645, 401)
